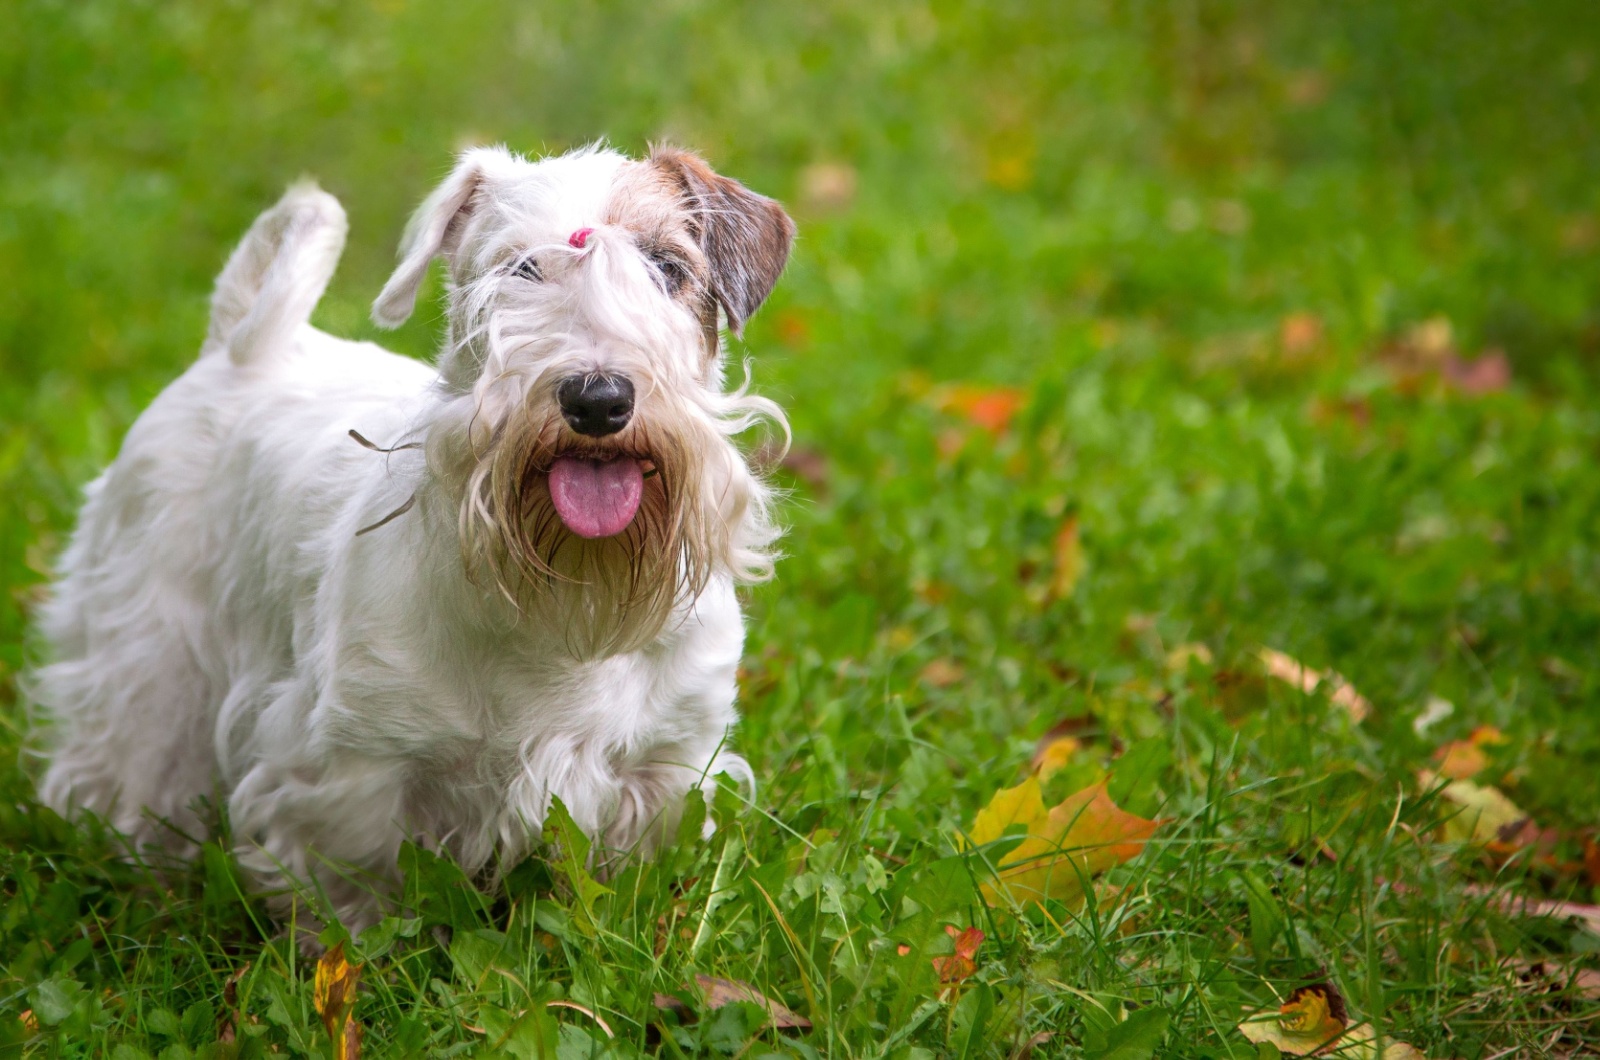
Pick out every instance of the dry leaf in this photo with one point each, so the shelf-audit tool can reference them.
(1315, 1022)
(1465, 759)
(1053, 755)
(1313, 1018)
(334, 994)
(1065, 846)
(1067, 551)
(591, 1013)
(228, 1021)
(959, 966)
(1178, 658)
(1288, 669)
(991, 408)
(1300, 333)
(827, 186)
(719, 992)
(941, 673)
(1433, 712)
(1486, 814)
(1557, 977)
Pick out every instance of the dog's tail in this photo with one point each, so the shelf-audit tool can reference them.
(276, 275)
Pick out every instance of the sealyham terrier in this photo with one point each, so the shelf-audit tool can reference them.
(361, 599)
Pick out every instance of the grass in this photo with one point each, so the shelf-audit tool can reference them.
(1211, 245)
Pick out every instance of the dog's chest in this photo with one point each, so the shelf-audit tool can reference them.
(490, 708)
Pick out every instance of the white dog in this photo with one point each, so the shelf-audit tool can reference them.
(526, 591)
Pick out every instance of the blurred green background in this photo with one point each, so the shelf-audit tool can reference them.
(1302, 303)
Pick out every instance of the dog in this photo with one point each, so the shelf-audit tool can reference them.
(359, 599)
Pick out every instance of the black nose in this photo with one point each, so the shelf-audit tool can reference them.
(596, 405)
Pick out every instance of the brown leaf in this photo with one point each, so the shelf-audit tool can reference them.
(1288, 669)
(1465, 759)
(334, 994)
(591, 1013)
(826, 187)
(228, 1021)
(959, 966)
(1558, 977)
(941, 673)
(1487, 374)
(718, 992)
(1517, 905)
(1300, 333)
(1067, 551)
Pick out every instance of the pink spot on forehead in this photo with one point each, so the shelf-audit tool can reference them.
(579, 238)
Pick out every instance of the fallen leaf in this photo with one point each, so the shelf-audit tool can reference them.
(1488, 373)
(1433, 712)
(1039, 1038)
(1465, 759)
(959, 966)
(1065, 845)
(1067, 551)
(1591, 860)
(1300, 333)
(1312, 1019)
(1342, 693)
(1557, 977)
(991, 408)
(334, 994)
(591, 1013)
(1518, 905)
(719, 991)
(1178, 658)
(1052, 756)
(827, 186)
(228, 1021)
(941, 673)
(1485, 814)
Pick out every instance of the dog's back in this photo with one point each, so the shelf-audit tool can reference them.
(135, 682)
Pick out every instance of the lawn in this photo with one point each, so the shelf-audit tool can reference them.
(1124, 345)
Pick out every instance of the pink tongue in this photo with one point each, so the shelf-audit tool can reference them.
(596, 498)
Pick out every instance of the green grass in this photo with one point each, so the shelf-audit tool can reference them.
(1112, 206)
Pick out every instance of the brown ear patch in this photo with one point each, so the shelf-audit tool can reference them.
(745, 237)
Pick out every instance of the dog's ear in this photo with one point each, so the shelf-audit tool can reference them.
(433, 230)
(746, 237)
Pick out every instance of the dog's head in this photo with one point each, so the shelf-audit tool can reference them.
(592, 437)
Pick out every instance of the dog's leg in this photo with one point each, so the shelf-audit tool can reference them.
(333, 827)
(127, 696)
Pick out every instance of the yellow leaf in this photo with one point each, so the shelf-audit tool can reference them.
(1178, 658)
(334, 994)
(1052, 756)
(1485, 814)
(1312, 1018)
(1065, 845)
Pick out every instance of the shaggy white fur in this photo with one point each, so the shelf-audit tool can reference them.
(353, 646)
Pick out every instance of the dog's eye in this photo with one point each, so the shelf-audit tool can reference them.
(675, 275)
(528, 269)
